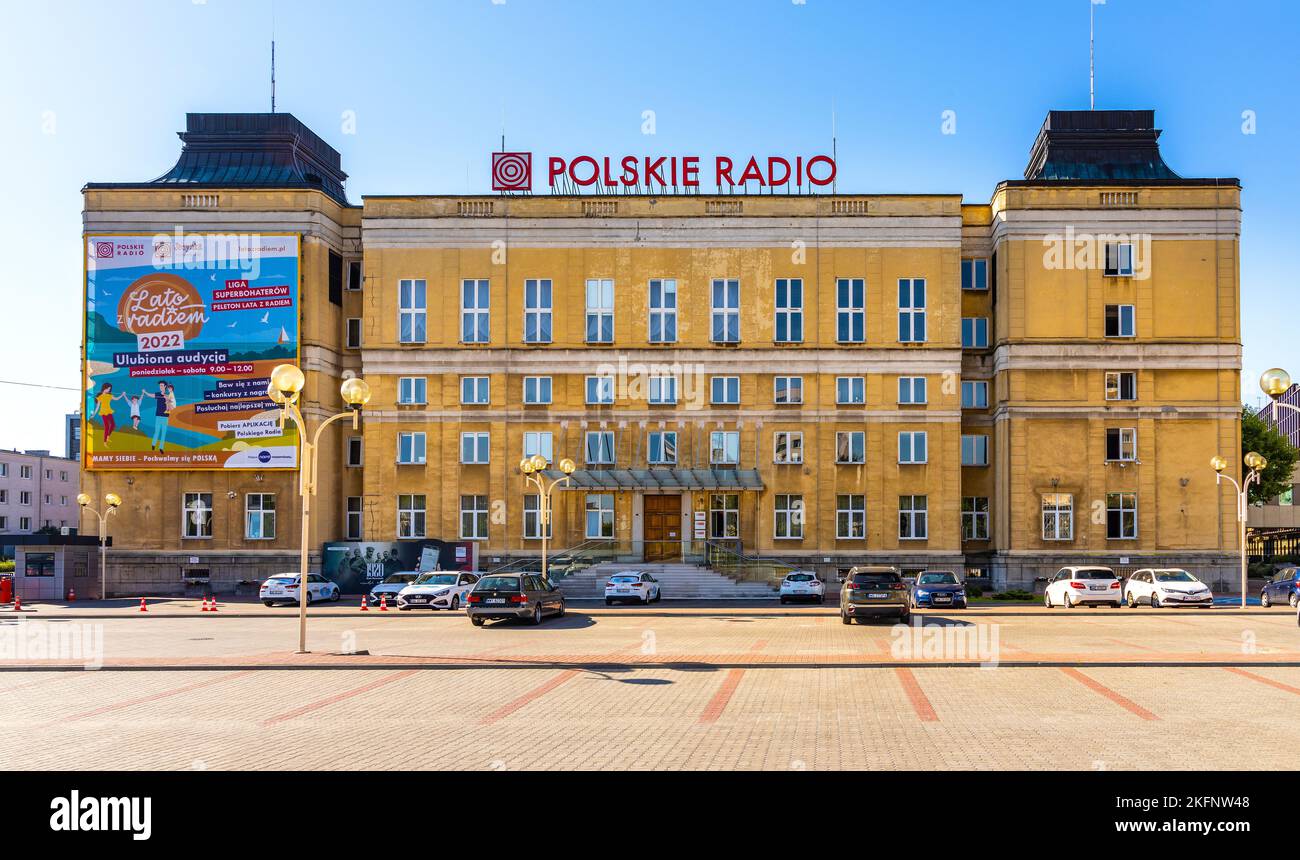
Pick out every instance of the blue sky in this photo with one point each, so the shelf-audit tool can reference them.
(102, 87)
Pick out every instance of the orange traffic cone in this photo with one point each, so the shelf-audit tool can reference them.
(205, 605)
(364, 607)
(213, 606)
(18, 603)
(143, 607)
(383, 603)
(72, 594)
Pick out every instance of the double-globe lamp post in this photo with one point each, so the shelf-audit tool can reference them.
(534, 469)
(286, 386)
(112, 502)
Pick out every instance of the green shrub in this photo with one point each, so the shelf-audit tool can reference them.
(974, 591)
(7, 566)
(1015, 594)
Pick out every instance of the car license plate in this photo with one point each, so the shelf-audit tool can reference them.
(877, 595)
(943, 598)
(1096, 588)
(623, 590)
(495, 600)
(417, 600)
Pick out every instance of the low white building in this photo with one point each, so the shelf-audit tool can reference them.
(37, 489)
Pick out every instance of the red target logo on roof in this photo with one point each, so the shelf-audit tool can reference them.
(512, 171)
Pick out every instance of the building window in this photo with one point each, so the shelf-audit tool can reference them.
(600, 311)
(724, 447)
(975, 518)
(911, 310)
(912, 447)
(354, 456)
(352, 518)
(533, 518)
(600, 390)
(850, 390)
(662, 448)
(4, 497)
(410, 517)
(259, 516)
(537, 310)
(412, 390)
(911, 390)
(1121, 321)
(663, 390)
(851, 517)
(539, 443)
(473, 517)
(1119, 260)
(411, 316)
(974, 332)
(25, 472)
(1121, 385)
(475, 390)
(913, 518)
(25, 497)
(410, 449)
(726, 390)
(4, 470)
(788, 522)
(355, 276)
(352, 338)
(789, 310)
(663, 310)
(600, 448)
(1121, 444)
(1058, 516)
(974, 274)
(4, 523)
(851, 448)
(975, 450)
(1121, 516)
(787, 448)
(724, 515)
(24, 524)
(600, 516)
(850, 310)
(473, 448)
(335, 270)
(787, 390)
(537, 390)
(197, 514)
(726, 311)
(974, 395)
(63, 476)
(475, 311)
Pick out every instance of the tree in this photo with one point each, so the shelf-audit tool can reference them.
(1257, 435)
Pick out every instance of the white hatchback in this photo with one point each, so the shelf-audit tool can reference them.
(437, 589)
(1166, 587)
(1077, 586)
(283, 588)
(802, 585)
(632, 585)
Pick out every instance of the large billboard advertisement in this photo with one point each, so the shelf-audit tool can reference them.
(182, 332)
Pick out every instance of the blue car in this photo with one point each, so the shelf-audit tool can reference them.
(938, 589)
(1284, 587)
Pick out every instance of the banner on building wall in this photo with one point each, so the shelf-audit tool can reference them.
(358, 566)
(181, 334)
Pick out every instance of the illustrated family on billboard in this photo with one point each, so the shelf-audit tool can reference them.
(164, 403)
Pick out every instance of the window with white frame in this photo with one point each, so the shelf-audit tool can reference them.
(789, 310)
(473, 517)
(25, 472)
(600, 516)
(850, 390)
(974, 332)
(4, 497)
(974, 274)
(1119, 259)
(913, 518)
(600, 447)
(533, 518)
(912, 447)
(1121, 444)
(1058, 516)
(1121, 321)
(197, 515)
(661, 448)
(725, 390)
(787, 447)
(25, 524)
(789, 517)
(663, 390)
(259, 516)
(25, 497)
(851, 447)
(475, 390)
(600, 310)
(975, 518)
(412, 390)
(663, 310)
(352, 518)
(975, 450)
(474, 448)
(537, 390)
(410, 516)
(787, 390)
(726, 311)
(974, 394)
(412, 309)
(724, 515)
(600, 390)
(1121, 385)
(352, 334)
(537, 310)
(911, 390)
(850, 310)
(539, 442)
(724, 447)
(1121, 516)
(355, 455)
(850, 517)
(475, 311)
(411, 449)
(911, 310)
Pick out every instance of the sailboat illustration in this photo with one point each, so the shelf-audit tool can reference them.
(284, 336)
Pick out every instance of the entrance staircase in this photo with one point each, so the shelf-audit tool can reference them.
(677, 581)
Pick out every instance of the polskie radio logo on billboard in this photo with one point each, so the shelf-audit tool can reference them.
(512, 171)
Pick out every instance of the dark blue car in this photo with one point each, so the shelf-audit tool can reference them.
(938, 589)
(1284, 587)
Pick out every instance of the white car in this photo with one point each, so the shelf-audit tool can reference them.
(1076, 586)
(439, 589)
(802, 585)
(1166, 587)
(632, 585)
(283, 588)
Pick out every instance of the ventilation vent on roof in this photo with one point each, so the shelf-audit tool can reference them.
(474, 208)
(722, 207)
(200, 201)
(1119, 199)
(599, 208)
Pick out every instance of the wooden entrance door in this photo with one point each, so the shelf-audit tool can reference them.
(663, 527)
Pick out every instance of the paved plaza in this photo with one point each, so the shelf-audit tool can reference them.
(677, 687)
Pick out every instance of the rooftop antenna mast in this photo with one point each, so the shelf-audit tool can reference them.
(835, 155)
(273, 57)
(1092, 53)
